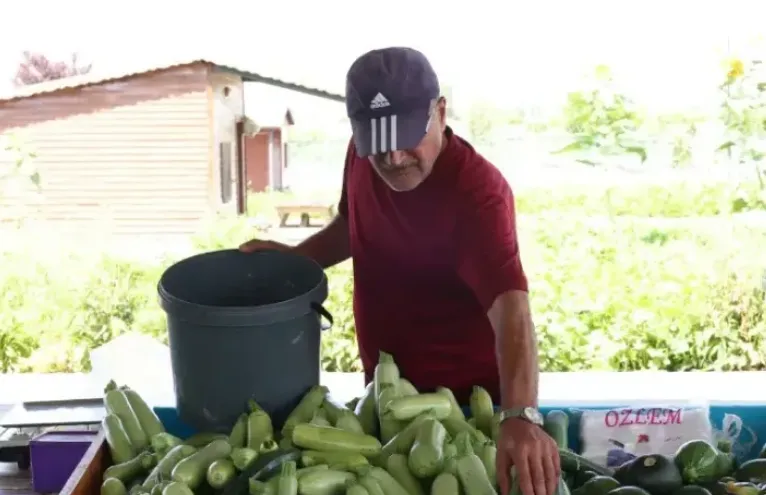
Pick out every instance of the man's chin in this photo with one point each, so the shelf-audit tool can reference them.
(403, 183)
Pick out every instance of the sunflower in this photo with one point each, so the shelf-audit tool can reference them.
(736, 68)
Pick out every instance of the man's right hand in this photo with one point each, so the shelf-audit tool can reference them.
(259, 245)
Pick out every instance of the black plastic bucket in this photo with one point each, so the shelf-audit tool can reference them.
(242, 326)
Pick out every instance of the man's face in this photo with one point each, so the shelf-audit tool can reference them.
(404, 170)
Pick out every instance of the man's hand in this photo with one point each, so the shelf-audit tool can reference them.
(258, 245)
(534, 454)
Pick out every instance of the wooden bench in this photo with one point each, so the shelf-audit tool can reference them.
(306, 212)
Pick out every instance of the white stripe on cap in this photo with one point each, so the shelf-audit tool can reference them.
(393, 132)
(374, 136)
(386, 127)
(383, 135)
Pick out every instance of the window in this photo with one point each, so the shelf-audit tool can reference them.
(224, 159)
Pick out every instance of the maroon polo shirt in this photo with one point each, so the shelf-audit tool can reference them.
(428, 264)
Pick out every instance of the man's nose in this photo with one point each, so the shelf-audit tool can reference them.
(394, 157)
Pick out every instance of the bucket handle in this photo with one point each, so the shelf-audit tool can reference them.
(323, 312)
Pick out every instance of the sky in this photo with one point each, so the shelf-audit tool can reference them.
(509, 53)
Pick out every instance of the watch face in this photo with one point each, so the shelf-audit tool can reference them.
(533, 415)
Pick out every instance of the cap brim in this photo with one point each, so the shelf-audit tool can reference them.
(390, 132)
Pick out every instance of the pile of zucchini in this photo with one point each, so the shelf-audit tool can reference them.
(391, 441)
(150, 461)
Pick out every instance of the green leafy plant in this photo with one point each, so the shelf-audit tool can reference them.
(673, 293)
(743, 112)
(602, 121)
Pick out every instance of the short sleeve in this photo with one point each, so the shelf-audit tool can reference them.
(488, 250)
(343, 203)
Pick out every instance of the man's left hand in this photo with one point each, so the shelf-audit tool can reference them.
(534, 454)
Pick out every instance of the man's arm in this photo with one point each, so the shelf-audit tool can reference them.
(330, 246)
(516, 345)
(490, 264)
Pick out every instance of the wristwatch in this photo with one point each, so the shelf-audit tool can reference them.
(526, 413)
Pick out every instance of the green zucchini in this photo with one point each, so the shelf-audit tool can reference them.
(117, 439)
(306, 470)
(177, 454)
(202, 439)
(407, 388)
(193, 470)
(402, 442)
(176, 488)
(456, 412)
(371, 485)
(455, 426)
(348, 421)
(166, 464)
(162, 442)
(482, 409)
(426, 457)
(116, 402)
(132, 469)
(242, 457)
(353, 487)
(268, 446)
(445, 484)
(405, 408)
(332, 439)
(113, 486)
(557, 426)
(366, 412)
(389, 426)
(488, 456)
(238, 434)
(220, 472)
(324, 482)
(450, 458)
(147, 418)
(386, 374)
(259, 426)
(470, 471)
(397, 467)
(335, 460)
(305, 409)
(288, 480)
(332, 411)
(159, 487)
(319, 419)
(386, 481)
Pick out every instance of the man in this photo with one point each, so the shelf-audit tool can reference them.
(438, 281)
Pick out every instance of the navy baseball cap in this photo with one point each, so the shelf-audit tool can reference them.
(389, 93)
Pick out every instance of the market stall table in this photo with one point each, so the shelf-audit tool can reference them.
(733, 394)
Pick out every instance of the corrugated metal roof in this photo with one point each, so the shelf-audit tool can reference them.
(95, 78)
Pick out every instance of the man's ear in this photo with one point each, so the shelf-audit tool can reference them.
(441, 107)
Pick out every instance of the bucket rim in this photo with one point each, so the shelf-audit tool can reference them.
(168, 298)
